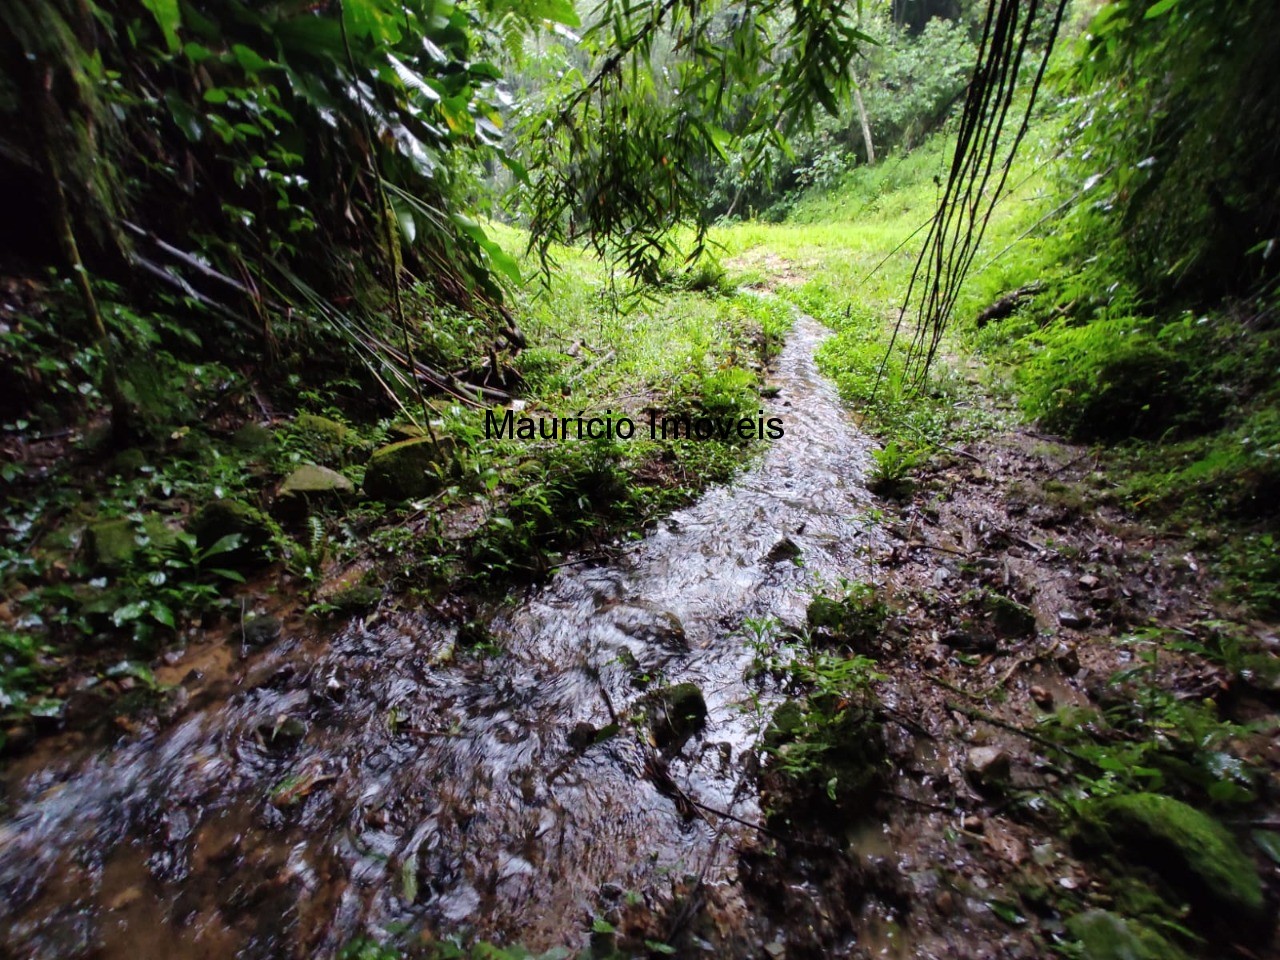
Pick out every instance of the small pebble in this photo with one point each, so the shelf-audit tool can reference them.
(1071, 619)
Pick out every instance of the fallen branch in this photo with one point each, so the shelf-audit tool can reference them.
(1010, 302)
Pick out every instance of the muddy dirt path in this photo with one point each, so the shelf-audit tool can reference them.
(388, 779)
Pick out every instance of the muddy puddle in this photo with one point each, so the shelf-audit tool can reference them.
(376, 784)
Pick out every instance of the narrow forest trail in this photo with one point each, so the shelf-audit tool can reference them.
(348, 787)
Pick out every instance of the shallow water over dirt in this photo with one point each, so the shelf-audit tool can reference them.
(374, 783)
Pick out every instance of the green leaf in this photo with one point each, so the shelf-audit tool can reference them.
(187, 120)
(372, 19)
(169, 17)
(1007, 912)
(720, 139)
(233, 575)
(249, 59)
(46, 707)
(1160, 9)
(164, 615)
(224, 545)
(1268, 842)
(404, 217)
(132, 668)
(556, 11)
(409, 880)
(501, 261)
(128, 613)
(413, 81)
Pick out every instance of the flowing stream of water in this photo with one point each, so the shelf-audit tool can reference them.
(462, 794)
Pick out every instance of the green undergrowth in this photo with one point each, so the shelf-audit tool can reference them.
(1179, 402)
(105, 561)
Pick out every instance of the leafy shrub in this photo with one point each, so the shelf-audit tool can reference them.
(728, 393)
(1104, 381)
(705, 274)
(891, 476)
(1178, 123)
(916, 82)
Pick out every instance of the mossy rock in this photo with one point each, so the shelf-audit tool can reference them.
(405, 471)
(857, 620)
(329, 441)
(1188, 849)
(259, 630)
(222, 518)
(322, 428)
(406, 431)
(787, 724)
(113, 544)
(1107, 936)
(311, 485)
(355, 598)
(1010, 618)
(675, 714)
(161, 535)
(253, 438)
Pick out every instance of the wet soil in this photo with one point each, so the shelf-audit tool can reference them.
(959, 858)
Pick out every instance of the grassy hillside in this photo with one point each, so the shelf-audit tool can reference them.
(1181, 403)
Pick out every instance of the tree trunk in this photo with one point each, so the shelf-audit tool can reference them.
(866, 126)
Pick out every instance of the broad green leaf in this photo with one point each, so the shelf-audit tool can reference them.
(413, 81)
(128, 613)
(556, 11)
(404, 217)
(1160, 9)
(502, 261)
(224, 545)
(169, 18)
(372, 19)
(720, 139)
(187, 120)
(249, 59)
(132, 668)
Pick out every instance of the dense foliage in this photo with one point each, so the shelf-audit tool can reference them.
(261, 166)
(1159, 318)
